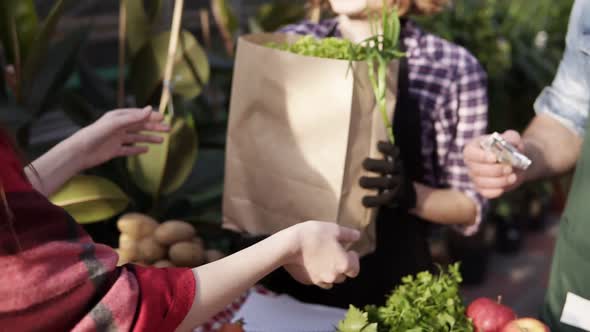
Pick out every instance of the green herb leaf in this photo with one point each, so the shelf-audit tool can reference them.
(356, 321)
(422, 303)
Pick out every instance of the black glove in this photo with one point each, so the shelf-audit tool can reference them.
(395, 188)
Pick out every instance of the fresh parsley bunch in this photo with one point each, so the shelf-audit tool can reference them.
(425, 303)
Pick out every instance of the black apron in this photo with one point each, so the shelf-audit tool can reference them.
(402, 247)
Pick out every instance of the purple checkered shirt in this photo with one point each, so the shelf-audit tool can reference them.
(451, 89)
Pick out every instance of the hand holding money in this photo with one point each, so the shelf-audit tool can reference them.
(496, 163)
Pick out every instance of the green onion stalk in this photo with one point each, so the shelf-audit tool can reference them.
(380, 50)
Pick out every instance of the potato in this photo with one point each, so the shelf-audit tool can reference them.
(136, 225)
(128, 254)
(126, 241)
(188, 254)
(174, 231)
(212, 255)
(128, 248)
(124, 258)
(163, 263)
(150, 250)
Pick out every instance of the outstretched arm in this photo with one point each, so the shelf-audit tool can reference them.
(313, 252)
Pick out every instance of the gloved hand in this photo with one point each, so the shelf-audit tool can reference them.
(394, 187)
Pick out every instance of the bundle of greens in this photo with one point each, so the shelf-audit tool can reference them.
(426, 303)
(330, 48)
(378, 51)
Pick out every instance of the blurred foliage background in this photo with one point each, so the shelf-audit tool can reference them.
(518, 42)
(68, 69)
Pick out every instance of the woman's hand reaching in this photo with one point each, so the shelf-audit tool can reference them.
(116, 134)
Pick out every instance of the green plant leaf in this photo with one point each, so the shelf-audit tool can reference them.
(356, 321)
(424, 302)
(40, 43)
(153, 9)
(254, 25)
(54, 72)
(167, 165)
(24, 16)
(224, 16)
(191, 69)
(90, 199)
(147, 170)
(373, 327)
(141, 16)
(182, 154)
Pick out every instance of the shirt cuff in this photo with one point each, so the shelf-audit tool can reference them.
(481, 206)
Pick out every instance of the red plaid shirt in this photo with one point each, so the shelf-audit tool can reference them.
(55, 278)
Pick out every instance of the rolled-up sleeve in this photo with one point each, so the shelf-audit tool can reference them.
(568, 98)
(470, 93)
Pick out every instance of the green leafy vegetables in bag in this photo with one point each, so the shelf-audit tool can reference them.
(424, 303)
(378, 51)
(330, 48)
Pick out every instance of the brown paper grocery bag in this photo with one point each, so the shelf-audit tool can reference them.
(299, 129)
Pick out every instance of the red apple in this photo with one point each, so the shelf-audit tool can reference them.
(526, 325)
(488, 315)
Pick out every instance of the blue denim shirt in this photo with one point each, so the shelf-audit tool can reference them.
(568, 98)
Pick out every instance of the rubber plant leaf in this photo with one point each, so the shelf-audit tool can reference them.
(22, 15)
(166, 166)
(90, 199)
(141, 17)
(41, 41)
(226, 21)
(58, 66)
